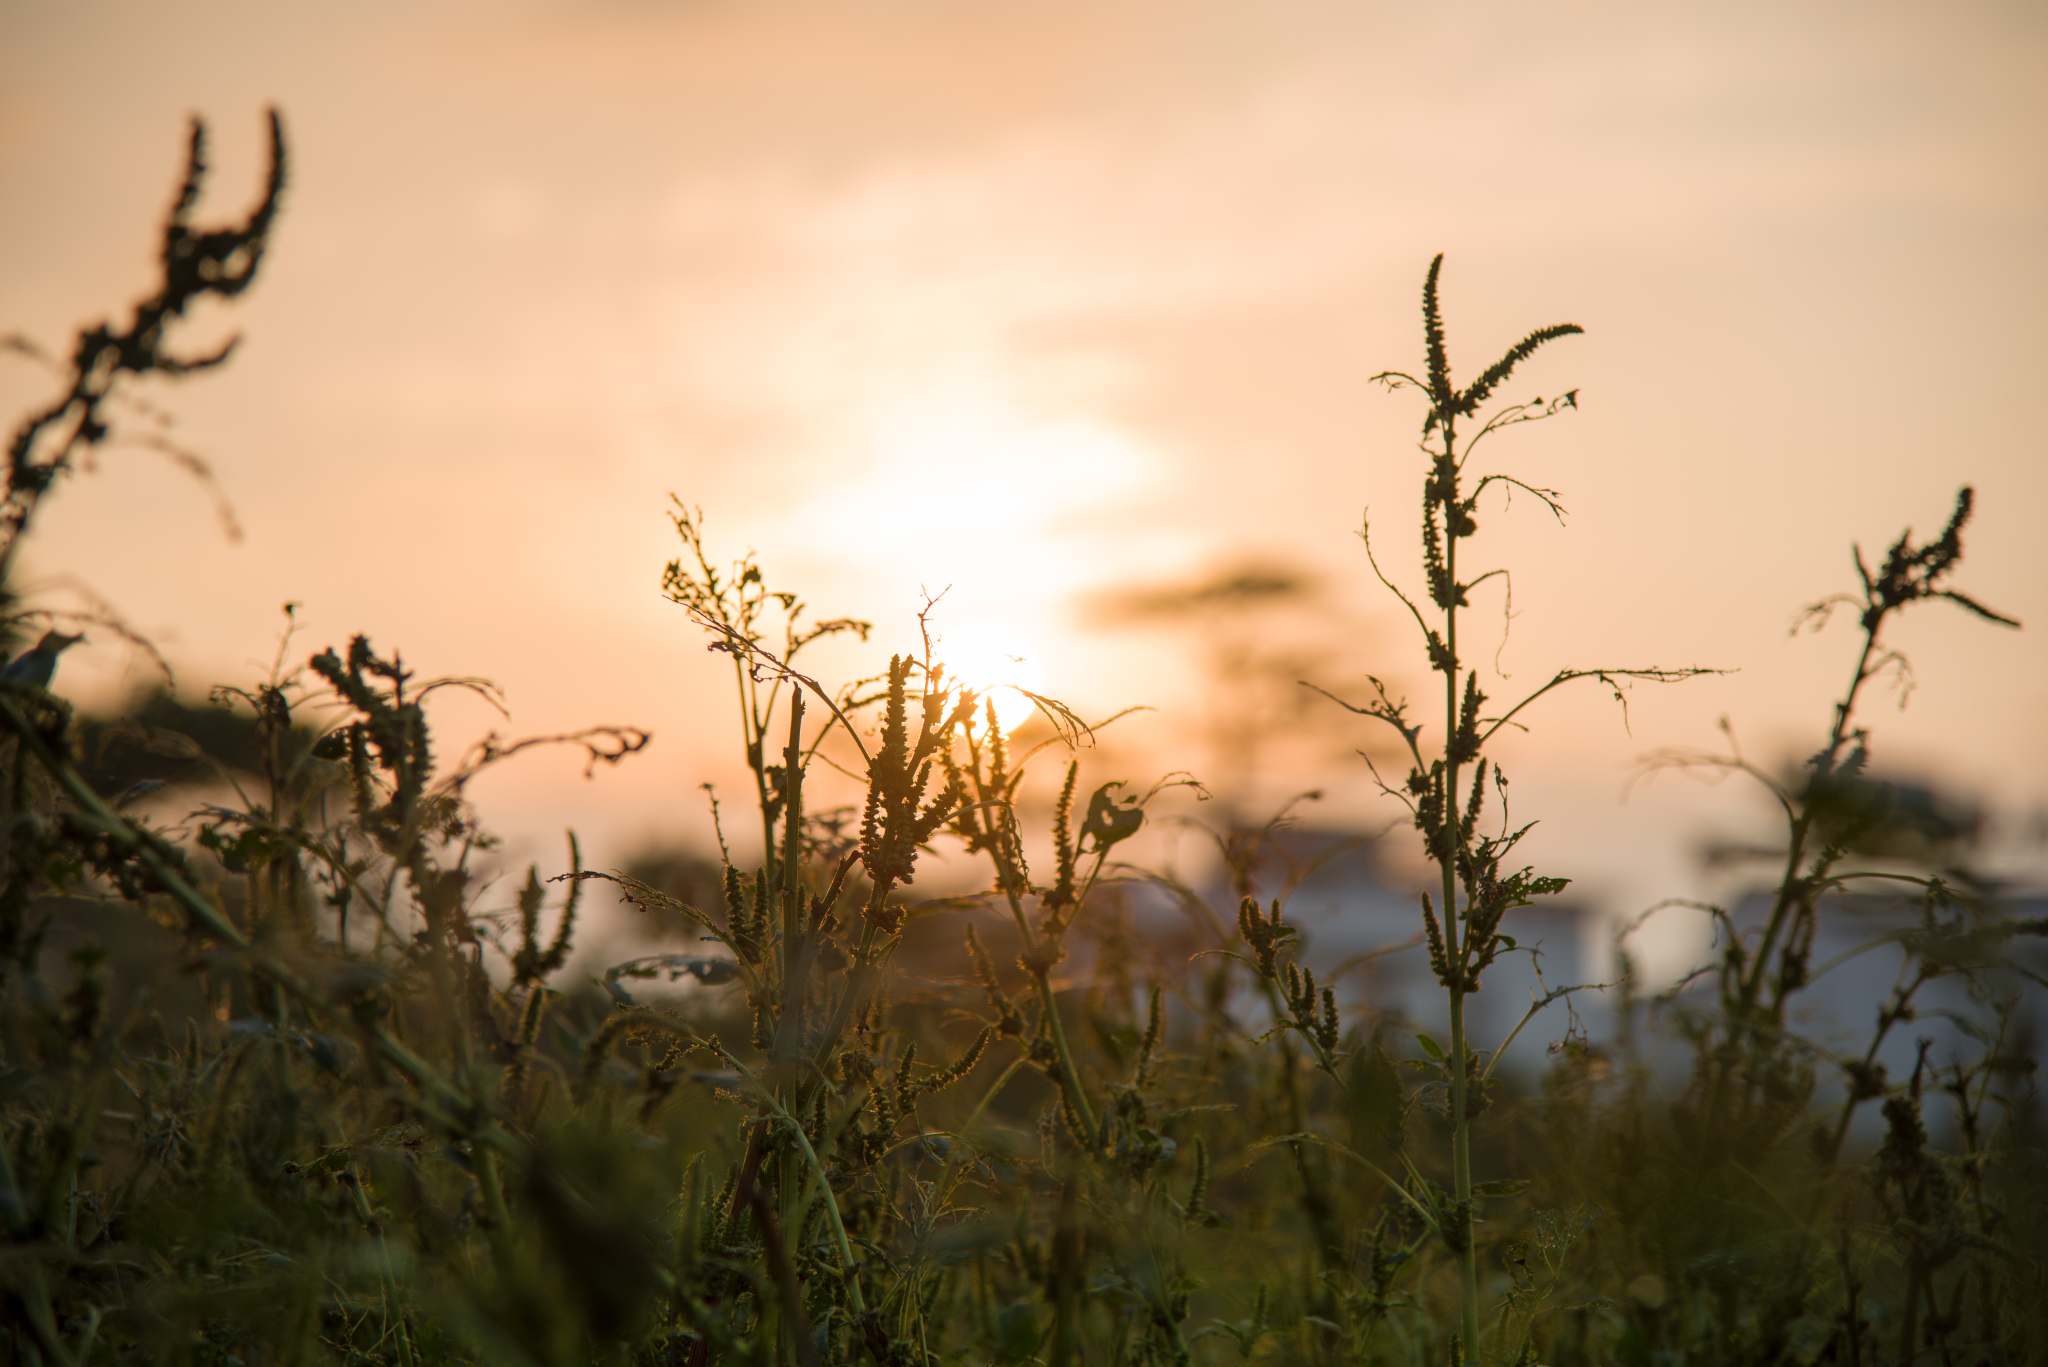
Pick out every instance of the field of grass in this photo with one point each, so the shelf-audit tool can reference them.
(305, 1088)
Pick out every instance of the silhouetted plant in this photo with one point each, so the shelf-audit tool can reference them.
(312, 1077)
(1751, 1098)
(221, 263)
(1477, 885)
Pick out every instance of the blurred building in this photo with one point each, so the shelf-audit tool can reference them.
(1361, 931)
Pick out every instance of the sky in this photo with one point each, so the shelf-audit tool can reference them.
(1048, 307)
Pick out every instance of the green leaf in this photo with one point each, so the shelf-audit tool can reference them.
(1518, 889)
(1506, 1187)
(334, 1160)
(1430, 1047)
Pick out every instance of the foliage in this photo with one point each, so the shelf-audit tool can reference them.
(312, 1086)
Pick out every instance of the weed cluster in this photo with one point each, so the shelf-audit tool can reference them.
(308, 1087)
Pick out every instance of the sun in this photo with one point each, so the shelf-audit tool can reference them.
(994, 661)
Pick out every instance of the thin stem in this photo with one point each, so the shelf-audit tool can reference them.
(957, 1163)
(1892, 1014)
(493, 1189)
(1070, 1076)
(394, 1313)
(1009, 878)
(1790, 886)
(803, 1143)
(1454, 947)
(1400, 1188)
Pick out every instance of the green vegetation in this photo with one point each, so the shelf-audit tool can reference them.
(309, 1088)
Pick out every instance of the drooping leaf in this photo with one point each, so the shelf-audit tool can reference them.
(1109, 821)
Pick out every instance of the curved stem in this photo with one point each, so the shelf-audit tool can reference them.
(1070, 1075)
(951, 1176)
(803, 1143)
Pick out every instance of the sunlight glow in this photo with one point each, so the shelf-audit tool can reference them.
(993, 660)
(990, 481)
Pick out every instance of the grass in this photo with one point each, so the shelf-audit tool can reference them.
(312, 1087)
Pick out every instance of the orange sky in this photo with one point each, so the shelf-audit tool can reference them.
(1043, 300)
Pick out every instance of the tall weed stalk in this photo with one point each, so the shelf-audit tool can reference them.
(1447, 786)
